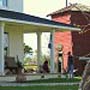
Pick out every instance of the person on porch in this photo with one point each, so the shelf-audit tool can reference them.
(45, 67)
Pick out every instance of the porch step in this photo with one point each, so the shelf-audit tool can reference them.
(41, 76)
(11, 78)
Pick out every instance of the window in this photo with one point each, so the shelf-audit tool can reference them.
(3, 3)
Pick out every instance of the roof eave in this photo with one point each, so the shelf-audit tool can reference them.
(40, 24)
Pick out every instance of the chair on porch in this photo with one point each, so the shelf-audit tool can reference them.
(10, 65)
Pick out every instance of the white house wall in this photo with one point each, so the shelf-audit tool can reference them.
(15, 5)
(16, 46)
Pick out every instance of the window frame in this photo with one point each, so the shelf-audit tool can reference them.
(3, 3)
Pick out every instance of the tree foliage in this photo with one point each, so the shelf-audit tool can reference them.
(27, 49)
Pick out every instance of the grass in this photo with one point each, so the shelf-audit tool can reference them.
(55, 80)
(41, 88)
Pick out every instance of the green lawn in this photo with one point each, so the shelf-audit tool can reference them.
(55, 80)
(41, 88)
(56, 87)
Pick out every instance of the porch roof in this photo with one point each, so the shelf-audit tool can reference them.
(22, 18)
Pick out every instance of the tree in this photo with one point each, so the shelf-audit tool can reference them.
(27, 49)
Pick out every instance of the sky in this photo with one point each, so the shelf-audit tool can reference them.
(41, 8)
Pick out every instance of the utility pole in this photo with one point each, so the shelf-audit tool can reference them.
(66, 3)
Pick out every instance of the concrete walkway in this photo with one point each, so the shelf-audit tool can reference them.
(35, 84)
(10, 80)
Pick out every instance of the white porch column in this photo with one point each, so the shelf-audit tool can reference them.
(39, 48)
(52, 53)
(2, 49)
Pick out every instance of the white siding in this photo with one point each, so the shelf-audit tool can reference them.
(14, 5)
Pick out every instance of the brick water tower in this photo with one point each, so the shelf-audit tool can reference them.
(76, 42)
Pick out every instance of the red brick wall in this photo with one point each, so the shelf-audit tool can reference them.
(81, 44)
(62, 18)
(63, 38)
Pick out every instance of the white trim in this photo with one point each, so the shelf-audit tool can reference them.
(4, 4)
(39, 50)
(52, 53)
(39, 24)
(4, 8)
(2, 26)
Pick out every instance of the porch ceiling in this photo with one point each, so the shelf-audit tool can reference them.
(29, 28)
(33, 23)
